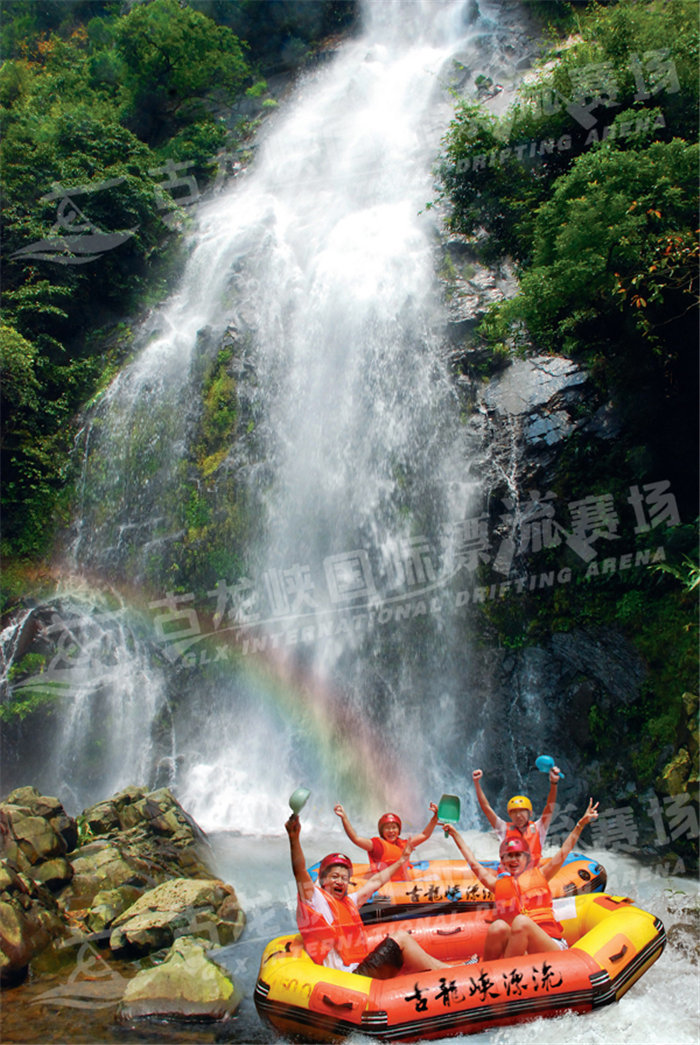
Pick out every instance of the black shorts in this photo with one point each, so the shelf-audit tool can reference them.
(383, 962)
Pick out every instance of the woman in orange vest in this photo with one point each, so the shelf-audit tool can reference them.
(388, 846)
(520, 810)
(524, 920)
(329, 920)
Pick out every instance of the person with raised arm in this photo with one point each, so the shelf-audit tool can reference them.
(387, 847)
(524, 921)
(329, 919)
(519, 810)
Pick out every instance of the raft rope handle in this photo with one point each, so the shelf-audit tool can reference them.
(337, 1004)
(448, 932)
(620, 954)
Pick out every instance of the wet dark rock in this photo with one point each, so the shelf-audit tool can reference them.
(684, 935)
(29, 920)
(527, 413)
(540, 695)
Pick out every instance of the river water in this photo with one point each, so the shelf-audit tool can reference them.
(662, 1007)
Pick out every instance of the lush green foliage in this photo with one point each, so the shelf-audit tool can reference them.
(625, 60)
(96, 100)
(172, 58)
(590, 183)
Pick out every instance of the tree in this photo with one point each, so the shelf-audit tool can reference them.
(173, 56)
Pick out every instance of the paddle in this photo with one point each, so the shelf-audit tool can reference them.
(449, 809)
(298, 799)
(544, 763)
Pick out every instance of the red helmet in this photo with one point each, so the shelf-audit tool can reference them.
(388, 818)
(513, 845)
(331, 860)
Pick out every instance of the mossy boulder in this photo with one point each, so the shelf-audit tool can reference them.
(680, 775)
(108, 904)
(138, 877)
(35, 836)
(186, 985)
(29, 920)
(181, 907)
(32, 803)
(133, 841)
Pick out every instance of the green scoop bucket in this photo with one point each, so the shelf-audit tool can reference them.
(298, 799)
(449, 809)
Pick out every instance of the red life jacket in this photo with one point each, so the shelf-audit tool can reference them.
(527, 893)
(384, 854)
(346, 933)
(530, 835)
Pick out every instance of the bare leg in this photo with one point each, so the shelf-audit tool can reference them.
(527, 938)
(496, 940)
(415, 959)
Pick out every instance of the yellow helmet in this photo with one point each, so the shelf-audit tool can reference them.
(519, 802)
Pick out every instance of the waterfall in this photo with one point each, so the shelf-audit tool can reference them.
(336, 654)
(99, 690)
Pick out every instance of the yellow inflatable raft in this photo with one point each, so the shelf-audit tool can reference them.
(611, 944)
(440, 886)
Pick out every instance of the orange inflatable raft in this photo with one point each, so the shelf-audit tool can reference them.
(611, 944)
(440, 886)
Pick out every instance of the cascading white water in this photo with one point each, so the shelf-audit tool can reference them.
(98, 689)
(335, 265)
(322, 258)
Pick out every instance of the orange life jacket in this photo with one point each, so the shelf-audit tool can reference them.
(346, 933)
(384, 854)
(530, 835)
(527, 893)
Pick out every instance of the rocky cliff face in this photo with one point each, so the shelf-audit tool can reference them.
(564, 577)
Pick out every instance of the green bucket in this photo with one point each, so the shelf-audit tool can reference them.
(298, 799)
(449, 809)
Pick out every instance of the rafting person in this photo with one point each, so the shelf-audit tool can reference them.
(387, 847)
(329, 920)
(524, 920)
(519, 810)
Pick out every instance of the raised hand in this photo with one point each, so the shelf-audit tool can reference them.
(591, 812)
(293, 826)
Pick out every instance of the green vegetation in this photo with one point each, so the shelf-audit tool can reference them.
(29, 699)
(603, 229)
(99, 103)
(589, 183)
